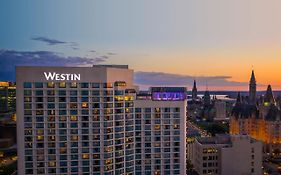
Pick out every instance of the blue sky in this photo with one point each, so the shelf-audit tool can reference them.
(183, 37)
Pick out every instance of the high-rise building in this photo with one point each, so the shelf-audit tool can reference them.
(74, 120)
(252, 89)
(87, 120)
(226, 154)
(160, 126)
(7, 97)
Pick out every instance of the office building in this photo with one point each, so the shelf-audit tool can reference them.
(75, 120)
(227, 155)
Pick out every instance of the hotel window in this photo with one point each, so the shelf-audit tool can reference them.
(73, 118)
(84, 85)
(27, 85)
(27, 106)
(51, 99)
(39, 99)
(84, 99)
(73, 85)
(27, 92)
(27, 99)
(73, 93)
(38, 85)
(96, 93)
(62, 99)
(73, 99)
(84, 93)
(95, 85)
(84, 105)
(62, 118)
(176, 109)
(50, 85)
(62, 105)
(51, 92)
(62, 85)
(62, 93)
(84, 112)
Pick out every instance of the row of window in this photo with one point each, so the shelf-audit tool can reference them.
(64, 85)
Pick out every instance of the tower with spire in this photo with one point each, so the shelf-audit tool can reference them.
(252, 89)
(194, 91)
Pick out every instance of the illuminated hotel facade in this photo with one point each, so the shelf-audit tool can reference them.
(86, 120)
(81, 126)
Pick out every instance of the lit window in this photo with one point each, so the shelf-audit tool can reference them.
(52, 164)
(62, 84)
(73, 85)
(85, 156)
(85, 105)
(50, 84)
(40, 138)
(157, 127)
(74, 138)
(73, 118)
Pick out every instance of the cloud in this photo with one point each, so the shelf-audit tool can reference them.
(147, 79)
(11, 58)
(48, 40)
(111, 53)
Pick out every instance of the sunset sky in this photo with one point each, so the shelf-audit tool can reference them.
(166, 42)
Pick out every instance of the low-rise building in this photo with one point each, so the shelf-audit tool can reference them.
(227, 155)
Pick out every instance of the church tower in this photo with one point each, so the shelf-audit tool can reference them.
(252, 89)
(194, 91)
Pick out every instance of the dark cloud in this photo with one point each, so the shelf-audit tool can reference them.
(11, 58)
(146, 79)
(92, 51)
(48, 40)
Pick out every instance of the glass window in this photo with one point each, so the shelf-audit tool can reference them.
(62, 93)
(73, 93)
(39, 93)
(84, 85)
(95, 85)
(27, 92)
(38, 85)
(73, 85)
(27, 85)
(50, 85)
(62, 85)
(84, 93)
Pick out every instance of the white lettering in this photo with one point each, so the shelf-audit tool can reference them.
(77, 76)
(61, 77)
(49, 75)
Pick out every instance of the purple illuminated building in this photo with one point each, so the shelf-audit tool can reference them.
(168, 93)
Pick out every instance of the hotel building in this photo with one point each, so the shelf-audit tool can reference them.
(226, 155)
(74, 120)
(160, 125)
(87, 120)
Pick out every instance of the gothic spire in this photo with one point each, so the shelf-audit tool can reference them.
(269, 95)
(194, 91)
(252, 89)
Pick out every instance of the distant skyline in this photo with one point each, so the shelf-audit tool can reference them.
(166, 42)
